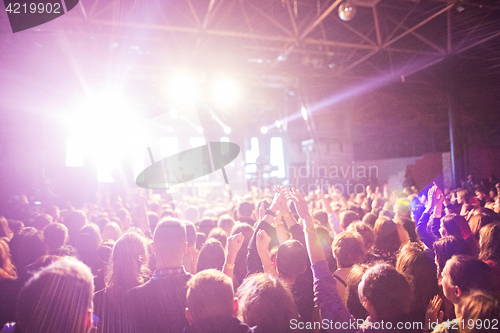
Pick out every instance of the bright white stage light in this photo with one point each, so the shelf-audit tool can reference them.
(199, 129)
(304, 112)
(225, 92)
(263, 129)
(227, 130)
(277, 157)
(170, 129)
(183, 89)
(277, 123)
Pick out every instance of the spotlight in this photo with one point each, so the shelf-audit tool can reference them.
(227, 130)
(304, 112)
(347, 11)
(199, 129)
(263, 129)
(183, 89)
(170, 129)
(277, 123)
(225, 92)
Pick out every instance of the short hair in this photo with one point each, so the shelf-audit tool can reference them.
(57, 299)
(192, 213)
(55, 235)
(210, 295)
(387, 290)
(347, 249)
(447, 247)
(365, 231)
(246, 208)
(266, 303)
(226, 223)
(170, 237)
(220, 235)
(74, 221)
(469, 273)
(478, 221)
(322, 217)
(291, 259)
(206, 226)
(369, 219)
(211, 256)
(347, 217)
(111, 231)
(41, 221)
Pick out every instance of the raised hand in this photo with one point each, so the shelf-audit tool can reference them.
(234, 243)
(432, 313)
(263, 240)
(300, 203)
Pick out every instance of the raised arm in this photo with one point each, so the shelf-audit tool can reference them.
(234, 244)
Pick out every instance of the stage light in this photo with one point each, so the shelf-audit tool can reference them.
(304, 112)
(170, 129)
(277, 123)
(183, 89)
(199, 129)
(277, 157)
(263, 129)
(347, 11)
(227, 130)
(225, 92)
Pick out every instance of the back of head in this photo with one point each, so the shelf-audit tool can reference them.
(41, 221)
(347, 249)
(190, 232)
(386, 235)
(211, 256)
(478, 221)
(291, 259)
(489, 242)
(365, 231)
(266, 303)
(74, 221)
(220, 235)
(192, 214)
(369, 219)
(27, 247)
(57, 299)
(447, 247)
(410, 228)
(246, 208)
(210, 296)
(226, 223)
(111, 231)
(456, 225)
(469, 273)
(387, 290)
(347, 217)
(353, 279)
(55, 235)
(480, 313)
(169, 238)
(206, 226)
(322, 217)
(420, 270)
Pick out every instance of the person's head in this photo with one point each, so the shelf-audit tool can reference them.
(479, 311)
(41, 221)
(462, 274)
(211, 255)
(266, 303)
(420, 270)
(369, 219)
(87, 244)
(226, 223)
(210, 297)
(192, 214)
(201, 238)
(384, 292)
(365, 231)
(206, 226)
(7, 270)
(190, 233)
(347, 250)
(111, 231)
(246, 209)
(26, 248)
(220, 235)
(291, 259)
(478, 221)
(489, 242)
(347, 217)
(58, 299)
(4, 228)
(124, 217)
(353, 303)
(481, 193)
(447, 247)
(169, 243)
(402, 209)
(129, 263)
(450, 226)
(74, 221)
(322, 218)
(387, 236)
(55, 236)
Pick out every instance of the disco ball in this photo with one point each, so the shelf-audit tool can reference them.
(347, 11)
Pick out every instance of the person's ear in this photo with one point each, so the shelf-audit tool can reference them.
(275, 262)
(458, 292)
(236, 307)
(189, 317)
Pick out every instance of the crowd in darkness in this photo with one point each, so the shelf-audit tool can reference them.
(275, 260)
